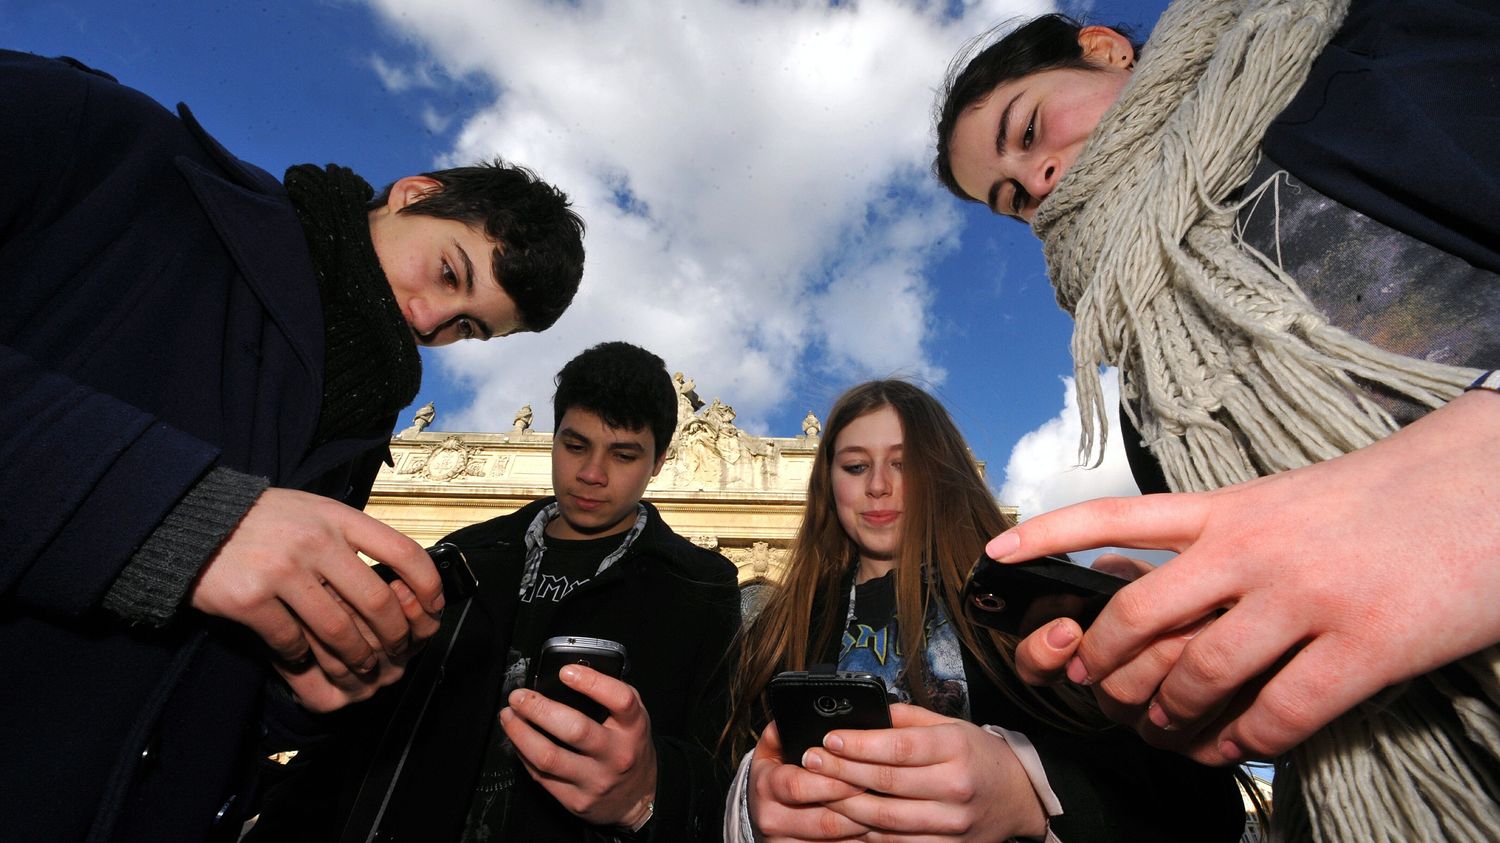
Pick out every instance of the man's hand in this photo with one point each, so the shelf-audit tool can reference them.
(930, 776)
(606, 773)
(290, 572)
(318, 691)
(787, 803)
(1334, 581)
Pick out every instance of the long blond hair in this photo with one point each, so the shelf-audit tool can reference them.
(948, 515)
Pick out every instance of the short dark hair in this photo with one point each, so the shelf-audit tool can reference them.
(539, 260)
(625, 385)
(1049, 42)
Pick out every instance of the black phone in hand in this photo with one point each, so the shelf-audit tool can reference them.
(807, 705)
(1021, 597)
(607, 657)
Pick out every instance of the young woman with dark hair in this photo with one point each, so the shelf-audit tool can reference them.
(1277, 219)
(896, 514)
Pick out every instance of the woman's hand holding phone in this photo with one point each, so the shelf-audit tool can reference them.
(788, 802)
(930, 774)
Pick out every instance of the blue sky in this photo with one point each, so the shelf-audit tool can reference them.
(753, 176)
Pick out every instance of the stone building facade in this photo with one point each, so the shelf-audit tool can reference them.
(721, 487)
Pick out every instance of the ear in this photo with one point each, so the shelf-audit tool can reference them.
(1105, 47)
(410, 189)
(661, 460)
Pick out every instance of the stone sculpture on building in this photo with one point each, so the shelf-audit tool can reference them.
(420, 421)
(522, 422)
(811, 427)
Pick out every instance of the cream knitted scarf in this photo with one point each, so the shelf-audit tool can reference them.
(1230, 373)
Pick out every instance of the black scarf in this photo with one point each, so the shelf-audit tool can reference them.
(371, 366)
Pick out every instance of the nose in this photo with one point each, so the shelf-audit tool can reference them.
(429, 321)
(880, 482)
(1042, 178)
(592, 472)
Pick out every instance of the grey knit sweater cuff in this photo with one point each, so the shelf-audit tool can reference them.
(150, 588)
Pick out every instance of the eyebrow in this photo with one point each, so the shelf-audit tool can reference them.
(615, 445)
(1000, 136)
(463, 257)
(862, 449)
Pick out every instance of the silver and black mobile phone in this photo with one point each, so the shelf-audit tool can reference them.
(607, 657)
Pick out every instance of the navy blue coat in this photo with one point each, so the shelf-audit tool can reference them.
(158, 316)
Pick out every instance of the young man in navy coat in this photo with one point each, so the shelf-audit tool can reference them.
(201, 369)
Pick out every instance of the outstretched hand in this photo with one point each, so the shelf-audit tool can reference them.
(1293, 597)
(291, 572)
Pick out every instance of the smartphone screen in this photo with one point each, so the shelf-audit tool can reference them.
(607, 657)
(808, 705)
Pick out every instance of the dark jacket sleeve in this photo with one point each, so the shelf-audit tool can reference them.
(1112, 786)
(83, 488)
(692, 774)
(1115, 787)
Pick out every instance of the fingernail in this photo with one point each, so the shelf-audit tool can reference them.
(833, 742)
(571, 672)
(368, 664)
(1159, 718)
(1231, 751)
(403, 591)
(811, 761)
(1077, 673)
(400, 647)
(439, 603)
(1003, 545)
(506, 715)
(520, 696)
(1061, 635)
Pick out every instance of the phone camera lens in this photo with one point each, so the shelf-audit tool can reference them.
(988, 602)
(826, 705)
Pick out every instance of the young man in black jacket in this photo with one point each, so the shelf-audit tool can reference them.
(480, 759)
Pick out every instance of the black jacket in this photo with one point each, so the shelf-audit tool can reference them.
(673, 605)
(159, 316)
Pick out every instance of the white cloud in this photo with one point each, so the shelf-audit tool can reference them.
(398, 79)
(779, 217)
(435, 122)
(1044, 474)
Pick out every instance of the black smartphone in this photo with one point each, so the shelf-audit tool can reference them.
(607, 657)
(458, 577)
(1021, 597)
(807, 705)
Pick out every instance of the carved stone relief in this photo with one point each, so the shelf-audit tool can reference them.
(759, 558)
(446, 461)
(709, 452)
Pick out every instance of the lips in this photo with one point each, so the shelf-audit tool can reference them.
(880, 517)
(587, 504)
